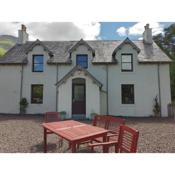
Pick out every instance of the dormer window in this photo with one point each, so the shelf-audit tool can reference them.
(82, 60)
(38, 63)
(127, 62)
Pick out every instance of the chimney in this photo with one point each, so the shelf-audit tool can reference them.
(22, 35)
(147, 35)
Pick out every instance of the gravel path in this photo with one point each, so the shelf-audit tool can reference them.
(24, 134)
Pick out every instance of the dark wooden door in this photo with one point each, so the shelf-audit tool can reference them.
(78, 99)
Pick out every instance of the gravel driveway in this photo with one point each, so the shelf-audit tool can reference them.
(24, 134)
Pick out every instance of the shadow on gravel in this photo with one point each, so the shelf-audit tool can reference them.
(39, 148)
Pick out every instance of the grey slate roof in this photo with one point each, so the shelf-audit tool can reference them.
(103, 52)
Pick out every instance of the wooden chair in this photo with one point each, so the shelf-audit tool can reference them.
(126, 143)
(53, 117)
(113, 125)
(100, 121)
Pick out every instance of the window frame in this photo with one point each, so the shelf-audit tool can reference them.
(32, 86)
(127, 70)
(77, 60)
(33, 63)
(122, 96)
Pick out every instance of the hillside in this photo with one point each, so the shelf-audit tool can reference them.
(6, 42)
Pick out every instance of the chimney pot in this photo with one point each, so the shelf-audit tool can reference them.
(147, 35)
(22, 35)
(23, 27)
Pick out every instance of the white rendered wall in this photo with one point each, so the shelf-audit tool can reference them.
(145, 80)
(98, 71)
(165, 88)
(10, 82)
(47, 78)
(92, 96)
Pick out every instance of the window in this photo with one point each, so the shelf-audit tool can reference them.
(82, 60)
(37, 65)
(127, 93)
(127, 62)
(37, 94)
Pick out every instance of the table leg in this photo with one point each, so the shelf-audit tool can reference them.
(73, 145)
(45, 140)
(105, 148)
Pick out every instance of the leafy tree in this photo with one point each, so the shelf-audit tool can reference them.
(166, 42)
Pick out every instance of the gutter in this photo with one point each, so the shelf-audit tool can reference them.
(159, 89)
(21, 86)
(57, 88)
(107, 99)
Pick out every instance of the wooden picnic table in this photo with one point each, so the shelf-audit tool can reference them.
(74, 132)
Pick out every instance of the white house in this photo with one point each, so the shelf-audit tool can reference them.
(84, 77)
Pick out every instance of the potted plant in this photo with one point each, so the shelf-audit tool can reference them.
(23, 105)
(63, 114)
(156, 107)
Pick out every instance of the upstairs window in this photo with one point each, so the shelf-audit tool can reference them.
(127, 93)
(82, 60)
(37, 93)
(127, 62)
(38, 63)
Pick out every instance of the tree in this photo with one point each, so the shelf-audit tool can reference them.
(167, 43)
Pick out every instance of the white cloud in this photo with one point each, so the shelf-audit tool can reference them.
(91, 30)
(54, 30)
(138, 29)
(122, 31)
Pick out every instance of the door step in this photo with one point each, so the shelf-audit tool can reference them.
(78, 116)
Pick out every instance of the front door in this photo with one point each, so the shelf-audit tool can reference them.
(78, 99)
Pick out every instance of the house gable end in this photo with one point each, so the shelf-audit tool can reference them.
(81, 42)
(126, 41)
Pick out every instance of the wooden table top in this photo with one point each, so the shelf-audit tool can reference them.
(73, 130)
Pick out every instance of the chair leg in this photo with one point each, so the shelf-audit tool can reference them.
(60, 142)
(116, 148)
(45, 140)
(92, 148)
(105, 149)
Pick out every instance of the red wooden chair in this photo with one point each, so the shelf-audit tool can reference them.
(126, 143)
(53, 117)
(100, 121)
(113, 125)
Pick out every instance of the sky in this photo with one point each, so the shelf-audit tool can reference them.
(77, 30)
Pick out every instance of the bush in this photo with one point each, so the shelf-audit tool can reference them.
(156, 107)
(23, 105)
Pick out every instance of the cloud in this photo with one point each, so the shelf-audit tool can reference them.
(138, 29)
(122, 31)
(54, 30)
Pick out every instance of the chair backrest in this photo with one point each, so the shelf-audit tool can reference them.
(115, 123)
(100, 121)
(52, 117)
(128, 138)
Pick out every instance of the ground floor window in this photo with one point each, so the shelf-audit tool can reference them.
(127, 91)
(37, 93)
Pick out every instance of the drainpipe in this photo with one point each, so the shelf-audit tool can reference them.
(21, 86)
(107, 100)
(56, 88)
(159, 89)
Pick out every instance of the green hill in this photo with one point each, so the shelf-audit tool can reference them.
(6, 42)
